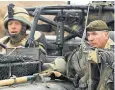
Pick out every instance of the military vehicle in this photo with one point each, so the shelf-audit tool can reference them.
(18, 67)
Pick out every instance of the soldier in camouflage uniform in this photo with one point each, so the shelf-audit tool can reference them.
(76, 67)
(100, 27)
(97, 33)
(18, 28)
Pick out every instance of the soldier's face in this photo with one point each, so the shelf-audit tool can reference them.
(97, 38)
(14, 27)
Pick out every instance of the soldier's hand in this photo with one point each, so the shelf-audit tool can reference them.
(52, 73)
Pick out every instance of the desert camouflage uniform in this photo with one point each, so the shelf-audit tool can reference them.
(6, 41)
(21, 15)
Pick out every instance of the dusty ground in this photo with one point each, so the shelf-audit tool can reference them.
(3, 7)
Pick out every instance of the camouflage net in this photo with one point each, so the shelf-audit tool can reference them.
(18, 66)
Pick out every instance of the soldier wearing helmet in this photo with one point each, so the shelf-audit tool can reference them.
(17, 24)
(76, 66)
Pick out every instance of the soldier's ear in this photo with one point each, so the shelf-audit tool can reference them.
(107, 34)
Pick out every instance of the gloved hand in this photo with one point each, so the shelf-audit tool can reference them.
(51, 74)
(56, 75)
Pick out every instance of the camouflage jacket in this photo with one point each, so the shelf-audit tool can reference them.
(109, 43)
(77, 65)
(38, 37)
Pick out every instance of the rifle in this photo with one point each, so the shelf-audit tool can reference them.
(16, 80)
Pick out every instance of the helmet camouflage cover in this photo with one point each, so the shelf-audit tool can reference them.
(19, 14)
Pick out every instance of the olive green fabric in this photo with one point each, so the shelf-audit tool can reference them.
(97, 25)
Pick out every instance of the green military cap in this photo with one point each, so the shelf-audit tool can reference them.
(97, 25)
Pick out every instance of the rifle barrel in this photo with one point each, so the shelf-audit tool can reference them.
(15, 80)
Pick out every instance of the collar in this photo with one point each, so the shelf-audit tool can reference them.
(109, 43)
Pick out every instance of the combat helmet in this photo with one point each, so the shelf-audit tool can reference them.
(17, 13)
